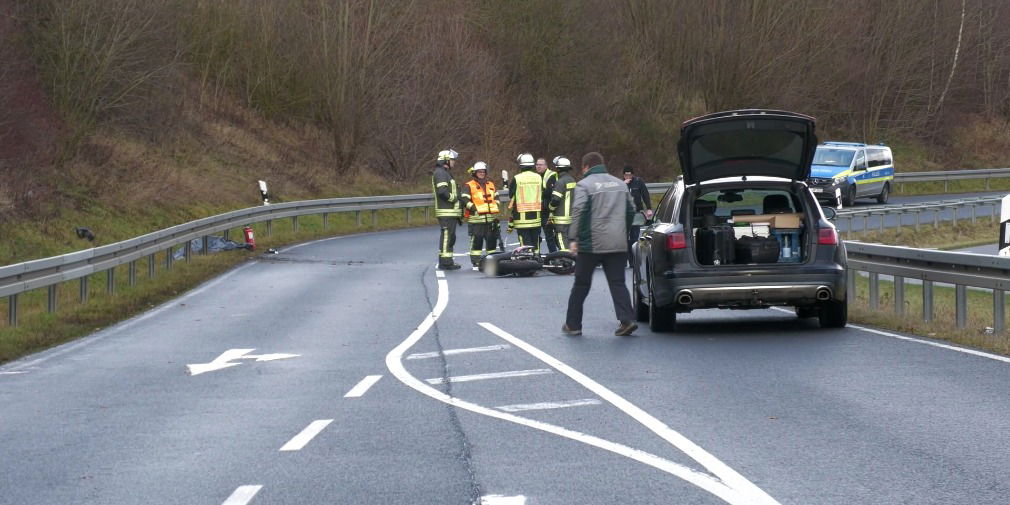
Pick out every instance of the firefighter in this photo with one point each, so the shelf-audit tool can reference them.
(550, 178)
(560, 205)
(526, 202)
(447, 208)
(480, 208)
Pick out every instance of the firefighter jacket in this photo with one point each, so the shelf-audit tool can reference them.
(446, 193)
(561, 199)
(526, 200)
(550, 178)
(480, 204)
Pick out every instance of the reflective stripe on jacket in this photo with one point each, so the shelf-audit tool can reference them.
(480, 201)
(561, 199)
(525, 199)
(443, 186)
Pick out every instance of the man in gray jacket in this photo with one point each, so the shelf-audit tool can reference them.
(602, 212)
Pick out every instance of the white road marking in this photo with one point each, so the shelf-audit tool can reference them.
(520, 407)
(12, 373)
(494, 375)
(242, 495)
(964, 350)
(450, 352)
(224, 360)
(720, 488)
(497, 499)
(306, 436)
(363, 386)
(440, 274)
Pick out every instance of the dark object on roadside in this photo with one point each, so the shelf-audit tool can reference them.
(272, 251)
(214, 244)
(756, 249)
(83, 232)
(525, 262)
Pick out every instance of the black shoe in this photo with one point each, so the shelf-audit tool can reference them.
(570, 332)
(448, 265)
(625, 329)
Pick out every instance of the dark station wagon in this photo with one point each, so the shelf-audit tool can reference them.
(741, 229)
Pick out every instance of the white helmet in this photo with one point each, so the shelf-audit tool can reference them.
(447, 155)
(480, 165)
(562, 162)
(526, 160)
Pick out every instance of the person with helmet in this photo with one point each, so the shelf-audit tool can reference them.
(480, 208)
(560, 205)
(549, 177)
(447, 208)
(526, 202)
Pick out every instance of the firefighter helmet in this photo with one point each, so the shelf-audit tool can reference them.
(480, 165)
(447, 155)
(526, 160)
(562, 163)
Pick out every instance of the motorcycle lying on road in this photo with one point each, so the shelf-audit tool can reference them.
(524, 261)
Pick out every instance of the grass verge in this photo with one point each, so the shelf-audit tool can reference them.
(38, 329)
(945, 236)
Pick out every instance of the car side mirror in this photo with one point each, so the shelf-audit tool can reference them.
(829, 213)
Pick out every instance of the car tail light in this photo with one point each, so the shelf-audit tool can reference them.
(827, 236)
(676, 240)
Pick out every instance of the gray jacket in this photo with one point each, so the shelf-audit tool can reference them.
(602, 211)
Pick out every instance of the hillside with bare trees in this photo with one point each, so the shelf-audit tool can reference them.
(127, 104)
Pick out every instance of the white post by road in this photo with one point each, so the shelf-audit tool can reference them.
(1004, 227)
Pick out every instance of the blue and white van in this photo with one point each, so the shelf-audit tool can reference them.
(844, 171)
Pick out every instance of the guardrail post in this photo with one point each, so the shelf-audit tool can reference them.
(375, 218)
(188, 250)
(973, 213)
(204, 244)
(899, 295)
(408, 215)
(945, 190)
(83, 294)
(326, 220)
(927, 301)
(51, 298)
(168, 258)
(848, 226)
(227, 234)
(426, 216)
(874, 291)
(961, 305)
(936, 218)
(357, 218)
(110, 280)
(883, 217)
(850, 284)
(133, 270)
(866, 224)
(998, 310)
(917, 212)
(992, 213)
(270, 227)
(150, 266)
(987, 183)
(294, 223)
(12, 310)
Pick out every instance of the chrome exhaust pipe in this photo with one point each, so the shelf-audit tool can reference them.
(823, 294)
(685, 297)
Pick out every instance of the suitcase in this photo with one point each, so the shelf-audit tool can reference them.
(757, 250)
(715, 245)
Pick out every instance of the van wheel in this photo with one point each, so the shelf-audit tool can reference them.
(849, 198)
(660, 320)
(885, 192)
(833, 314)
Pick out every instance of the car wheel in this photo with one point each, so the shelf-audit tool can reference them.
(833, 314)
(806, 312)
(885, 192)
(660, 320)
(849, 198)
(641, 309)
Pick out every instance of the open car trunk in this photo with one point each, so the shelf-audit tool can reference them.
(747, 225)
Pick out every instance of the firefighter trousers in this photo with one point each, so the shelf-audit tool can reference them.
(446, 238)
(551, 236)
(561, 235)
(529, 236)
(483, 236)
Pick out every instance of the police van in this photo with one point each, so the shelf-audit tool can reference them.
(844, 171)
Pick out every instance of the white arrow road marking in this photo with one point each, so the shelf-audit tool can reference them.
(363, 386)
(486, 376)
(725, 484)
(242, 495)
(497, 499)
(302, 439)
(224, 360)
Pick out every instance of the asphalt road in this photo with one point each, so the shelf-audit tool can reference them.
(479, 398)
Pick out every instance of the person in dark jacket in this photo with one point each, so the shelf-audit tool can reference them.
(550, 178)
(602, 211)
(643, 203)
(447, 208)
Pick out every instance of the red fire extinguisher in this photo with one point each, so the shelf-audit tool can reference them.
(250, 239)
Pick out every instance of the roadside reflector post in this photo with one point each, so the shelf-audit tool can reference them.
(899, 295)
(927, 301)
(874, 291)
(961, 305)
(12, 310)
(83, 291)
(51, 298)
(110, 280)
(1004, 227)
(133, 267)
(998, 310)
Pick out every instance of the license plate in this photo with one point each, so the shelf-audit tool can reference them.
(817, 190)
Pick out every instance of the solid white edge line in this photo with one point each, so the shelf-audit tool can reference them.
(520, 407)
(362, 386)
(963, 350)
(497, 499)
(395, 364)
(450, 352)
(726, 474)
(242, 495)
(487, 376)
(302, 439)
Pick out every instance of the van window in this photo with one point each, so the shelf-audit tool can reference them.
(860, 161)
(833, 157)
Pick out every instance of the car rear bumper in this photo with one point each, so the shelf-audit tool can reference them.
(743, 290)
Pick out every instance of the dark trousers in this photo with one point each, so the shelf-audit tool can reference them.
(561, 232)
(482, 235)
(550, 236)
(446, 237)
(529, 236)
(633, 233)
(613, 268)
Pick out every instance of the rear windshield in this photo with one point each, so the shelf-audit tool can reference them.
(833, 157)
(734, 202)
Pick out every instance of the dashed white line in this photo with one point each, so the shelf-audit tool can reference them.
(302, 439)
(242, 495)
(13, 373)
(440, 274)
(494, 375)
(362, 386)
(497, 499)
(450, 352)
(520, 407)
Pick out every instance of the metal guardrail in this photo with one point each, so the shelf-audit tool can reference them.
(962, 270)
(934, 209)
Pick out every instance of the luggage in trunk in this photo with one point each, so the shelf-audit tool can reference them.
(715, 245)
(757, 250)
